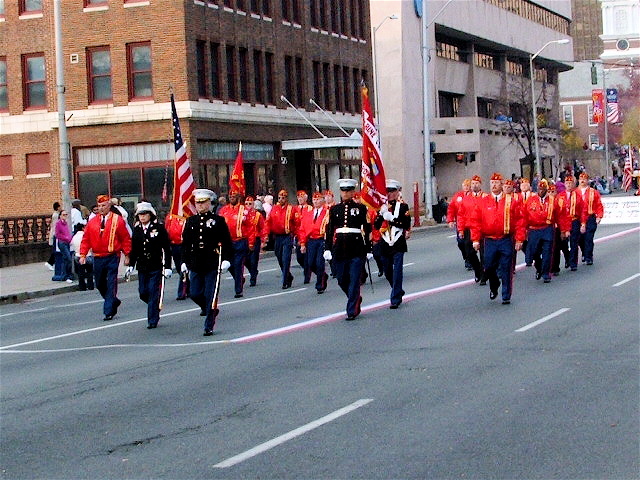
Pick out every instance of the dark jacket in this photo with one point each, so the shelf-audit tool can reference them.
(402, 221)
(202, 235)
(150, 251)
(348, 245)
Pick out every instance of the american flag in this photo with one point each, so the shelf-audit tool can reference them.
(183, 204)
(613, 111)
(627, 173)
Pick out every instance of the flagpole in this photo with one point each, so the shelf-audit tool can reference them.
(606, 123)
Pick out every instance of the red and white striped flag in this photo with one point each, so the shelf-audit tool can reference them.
(627, 173)
(373, 181)
(183, 204)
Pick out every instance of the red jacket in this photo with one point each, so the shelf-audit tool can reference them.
(542, 212)
(311, 227)
(573, 205)
(258, 226)
(497, 220)
(592, 202)
(239, 223)
(283, 220)
(114, 238)
(467, 209)
(454, 207)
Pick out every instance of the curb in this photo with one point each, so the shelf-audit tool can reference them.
(23, 296)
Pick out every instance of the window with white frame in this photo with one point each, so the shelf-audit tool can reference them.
(567, 115)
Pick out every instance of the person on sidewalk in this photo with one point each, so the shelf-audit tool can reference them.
(107, 235)
(394, 223)
(64, 262)
(52, 236)
(151, 256)
(206, 242)
(84, 272)
(352, 244)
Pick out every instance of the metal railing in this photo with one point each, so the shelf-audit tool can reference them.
(21, 230)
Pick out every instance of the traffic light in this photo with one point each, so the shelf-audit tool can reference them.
(594, 74)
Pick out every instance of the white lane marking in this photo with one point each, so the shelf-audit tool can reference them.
(452, 236)
(143, 319)
(263, 447)
(408, 264)
(51, 308)
(122, 345)
(543, 319)
(622, 282)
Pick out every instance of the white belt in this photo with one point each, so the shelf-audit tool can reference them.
(348, 230)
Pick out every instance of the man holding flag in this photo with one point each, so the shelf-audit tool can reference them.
(182, 205)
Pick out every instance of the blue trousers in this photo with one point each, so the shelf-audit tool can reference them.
(105, 273)
(240, 252)
(183, 280)
(283, 247)
(393, 273)
(586, 239)
(541, 245)
(498, 264)
(251, 262)
(315, 261)
(149, 286)
(63, 264)
(348, 276)
(202, 288)
(574, 241)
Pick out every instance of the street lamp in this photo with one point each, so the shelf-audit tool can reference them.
(533, 99)
(375, 68)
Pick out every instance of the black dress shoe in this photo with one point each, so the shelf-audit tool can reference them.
(538, 275)
(207, 333)
(493, 295)
(321, 291)
(238, 295)
(573, 269)
(506, 302)
(181, 298)
(107, 318)
(252, 283)
(152, 326)
(589, 262)
(203, 312)
(393, 307)
(350, 317)
(483, 282)
(306, 282)
(547, 280)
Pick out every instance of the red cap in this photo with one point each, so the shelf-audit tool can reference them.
(102, 198)
(318, 195)
(509, 182)
(300, 193)
(476, 178)
(249, 198)
(496, 176)
(569, 178)
(283, 192)
(328, 192)
(584, 175)
(544, 183)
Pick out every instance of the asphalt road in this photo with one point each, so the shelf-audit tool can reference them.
(450, 385)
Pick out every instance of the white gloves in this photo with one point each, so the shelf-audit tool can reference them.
(128, 271)
(384, 209)
(167, 273)
(183, 268)
(224, 266)
(369, 256)
(388, 216)
(327, 255)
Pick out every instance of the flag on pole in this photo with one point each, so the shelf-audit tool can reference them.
(373, 182)
(182, 205)
(613, 111)
(627, 173)
(597, 97)
(237, 182)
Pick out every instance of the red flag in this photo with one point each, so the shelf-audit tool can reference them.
(373, 181)
(236, 182)
(627, 173)
(183, 204)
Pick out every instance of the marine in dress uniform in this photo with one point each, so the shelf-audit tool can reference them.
(542, 212)
(107, 236)
(453, 210)
(467, 211)
(499, 224)
(311, 238)
(592, 204)
(393, 221)
(351, 245)
(151, 255)
(283, 223)
(259, 231)
(578, 215)
(203, 236)
(242, 237)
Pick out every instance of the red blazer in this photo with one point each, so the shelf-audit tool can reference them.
(468, 209)
(496, 221)
(592, 202)
(283, 220)
(258, 226)
(239, 223)
(114, 238)
(454, 207)
(311, 227)
(540, 213)
(572, 203)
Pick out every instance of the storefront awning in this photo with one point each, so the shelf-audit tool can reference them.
(352, 141)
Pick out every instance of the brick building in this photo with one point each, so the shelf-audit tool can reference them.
(228, 62)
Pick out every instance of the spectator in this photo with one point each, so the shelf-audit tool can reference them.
(63, 269)
(85, 272)
(52, 235)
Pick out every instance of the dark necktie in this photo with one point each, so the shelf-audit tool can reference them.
(315, 217)
(102, 224)
(496, 201)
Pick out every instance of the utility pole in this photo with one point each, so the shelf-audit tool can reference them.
(63, 141)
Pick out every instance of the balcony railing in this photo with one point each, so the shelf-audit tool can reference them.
(23, 230)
